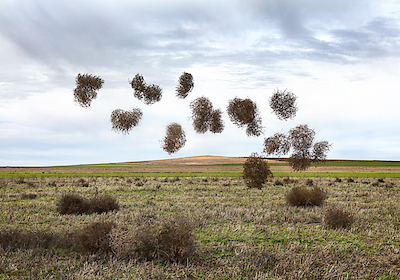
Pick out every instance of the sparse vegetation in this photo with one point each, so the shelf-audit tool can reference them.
(240, 232)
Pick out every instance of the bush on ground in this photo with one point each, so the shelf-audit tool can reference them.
(175, 239)
(302, 196)
(255, 171)
(172, 241)
(103, 203)
(73, 204)
(94, 237)
(337, 218)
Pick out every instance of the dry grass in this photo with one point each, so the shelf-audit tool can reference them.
(238, 233)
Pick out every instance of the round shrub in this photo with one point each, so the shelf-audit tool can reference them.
(302, 196)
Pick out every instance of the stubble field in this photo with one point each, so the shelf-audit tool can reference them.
(239, 233)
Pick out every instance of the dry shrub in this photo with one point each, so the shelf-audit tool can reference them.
(255, 171)
(301, 140)
(149, 94)
(144, 245)
(94, 237)
(277, 144)
(86, 87)
(73, 204)
(302, 196)
(103, 203)
(82, 183)
(283, 104)
(17, 238)
(244, 112)
(175, 240)
(172, 241)
(185, 86)
(125, 121)
(204, 117)
(338, 218)
(120, 242)
(175, 138)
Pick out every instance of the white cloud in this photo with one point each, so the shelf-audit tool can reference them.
(339, 57)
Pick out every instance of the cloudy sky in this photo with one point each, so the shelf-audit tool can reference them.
(341, 58)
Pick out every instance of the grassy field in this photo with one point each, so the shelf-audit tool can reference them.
(332, 168)
(239, 233)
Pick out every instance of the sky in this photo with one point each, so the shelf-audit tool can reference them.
(341, 58)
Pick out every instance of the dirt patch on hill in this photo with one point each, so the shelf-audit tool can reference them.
(196, 160)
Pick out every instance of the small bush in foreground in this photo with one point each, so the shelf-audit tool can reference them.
(255, 171)
(172, 241)
(337, 218)
(302, 196)
(73, 204)
(94, 237)
(175, 239)
(103, 203)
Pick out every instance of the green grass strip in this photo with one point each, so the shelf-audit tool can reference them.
(345, 174)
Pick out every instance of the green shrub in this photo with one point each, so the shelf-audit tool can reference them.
(302, 196)
(337, 218)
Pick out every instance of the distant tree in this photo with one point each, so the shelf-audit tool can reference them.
(283, 104)
(204, 117)
(244, 112)
(124, 121)
(301, 140)
(175, 138)
(185, 86)
(255, 171)
(86, 87)
(149, 94)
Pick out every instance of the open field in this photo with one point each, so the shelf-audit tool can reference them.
(239, 233)
(207, 166)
